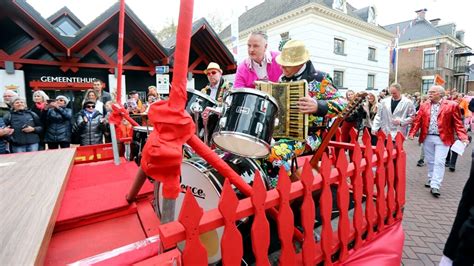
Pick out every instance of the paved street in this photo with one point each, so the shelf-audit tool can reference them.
(428, 220)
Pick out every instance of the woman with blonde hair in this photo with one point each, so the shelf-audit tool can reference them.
(40, 107)
(370, 110)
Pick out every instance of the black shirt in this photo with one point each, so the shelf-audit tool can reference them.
(394, 104)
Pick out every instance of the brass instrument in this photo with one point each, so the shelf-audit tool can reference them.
(292, 124)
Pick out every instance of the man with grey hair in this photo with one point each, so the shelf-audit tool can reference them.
(394, 114)
(260, 65)
(438, 120)
(5, 106)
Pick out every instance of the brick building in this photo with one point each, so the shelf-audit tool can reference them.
(426, 49)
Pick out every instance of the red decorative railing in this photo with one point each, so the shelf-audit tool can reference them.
(354, 180)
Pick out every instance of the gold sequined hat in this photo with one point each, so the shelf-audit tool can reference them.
(294, 53)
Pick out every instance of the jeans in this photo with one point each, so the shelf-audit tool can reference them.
(435, 155)
(25, 148)
(55, 145)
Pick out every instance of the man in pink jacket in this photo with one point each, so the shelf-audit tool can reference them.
(260, 65)
(437, 121)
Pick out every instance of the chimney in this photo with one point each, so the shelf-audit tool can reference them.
(460, 35)
(435, 22)
(420, 14)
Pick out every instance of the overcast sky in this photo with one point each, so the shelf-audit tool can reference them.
(156, 13)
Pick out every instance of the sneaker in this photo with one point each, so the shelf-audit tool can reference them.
(428, 184)
(435, 192)
(420, 163)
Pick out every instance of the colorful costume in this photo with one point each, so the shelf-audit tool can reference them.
(330, 103)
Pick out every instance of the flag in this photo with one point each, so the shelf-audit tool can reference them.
(438, 80)
(234, 32)
(393, 59)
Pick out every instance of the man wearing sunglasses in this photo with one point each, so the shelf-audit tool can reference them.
(217, 86)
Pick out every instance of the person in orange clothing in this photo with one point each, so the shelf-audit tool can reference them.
(437, 121)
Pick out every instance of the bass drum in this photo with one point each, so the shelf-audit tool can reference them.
(206, 185)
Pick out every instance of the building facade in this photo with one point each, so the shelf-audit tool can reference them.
(61, 55)
(343, 41)
(426, 49)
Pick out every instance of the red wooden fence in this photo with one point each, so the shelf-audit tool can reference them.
(353, 178)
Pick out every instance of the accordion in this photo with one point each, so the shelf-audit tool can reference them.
(292, 123)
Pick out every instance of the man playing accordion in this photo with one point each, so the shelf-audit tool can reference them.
(323, 102)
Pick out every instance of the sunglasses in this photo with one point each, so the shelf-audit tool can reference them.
(90, 106)
(213, 72)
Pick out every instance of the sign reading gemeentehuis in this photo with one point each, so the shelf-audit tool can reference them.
(67, 79)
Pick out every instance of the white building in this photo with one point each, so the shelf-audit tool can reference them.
(343, 41)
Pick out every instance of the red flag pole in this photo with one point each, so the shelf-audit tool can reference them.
(120, 50)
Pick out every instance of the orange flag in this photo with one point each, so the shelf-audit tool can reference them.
(438, 80)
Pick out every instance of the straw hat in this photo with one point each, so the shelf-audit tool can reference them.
(213, 65)
(294, 53)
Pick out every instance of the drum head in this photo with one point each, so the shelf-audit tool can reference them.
(196, 177)
(241, 144)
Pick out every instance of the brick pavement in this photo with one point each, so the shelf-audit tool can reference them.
(427, 220)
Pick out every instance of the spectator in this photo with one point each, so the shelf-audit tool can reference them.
(394, 113)
(58, 118)
(90, 125)
(352, 121)
(421, 161)
(98, 87)
(152, 91)
(27, 127)
(437, 121)
(91, 95)
(5, 133)
(370, 109)
(5, 106)
(217, 87)
(260, 65)
(40, 100)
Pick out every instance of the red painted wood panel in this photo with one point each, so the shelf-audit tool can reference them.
(231, 242)
(194, 253)
(260, 231)
(356, 180)
(285, 220)
(390, 181)
(325, 205)
(343, 204)
(380, 182)
(369, 186)
(308, 213)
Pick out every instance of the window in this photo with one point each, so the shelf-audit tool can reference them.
(338, 79)
(66, 28)
(429, 59)
(370, 81)
(338, 46)
(371, 54)
(427, 83)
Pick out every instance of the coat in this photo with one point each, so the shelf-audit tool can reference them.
(18, 120)
(246, 75)
(449, 121)
(404, 111)
(59, 125)
(92, 131)
(222, 89)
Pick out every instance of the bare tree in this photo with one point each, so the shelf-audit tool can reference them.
(166, 32)
(170, 29)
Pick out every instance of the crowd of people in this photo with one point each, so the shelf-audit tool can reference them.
(51, 124)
